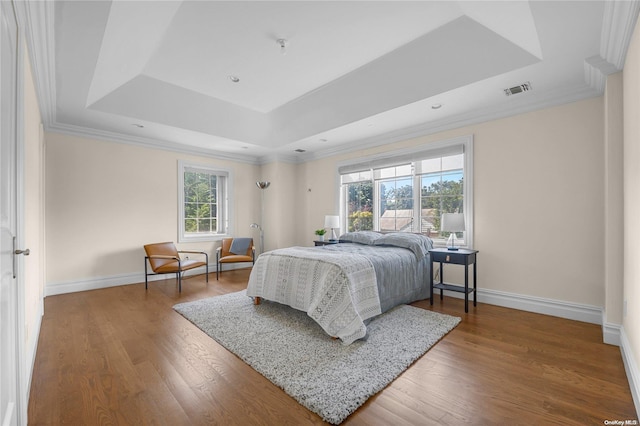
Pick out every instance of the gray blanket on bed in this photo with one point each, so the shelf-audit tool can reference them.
(401, 279)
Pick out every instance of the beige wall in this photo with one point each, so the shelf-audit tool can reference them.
(539, 196)
(34, 212)
(280, 200)
(613, 202)
(105, 200)
(631, 81)
(539, 193)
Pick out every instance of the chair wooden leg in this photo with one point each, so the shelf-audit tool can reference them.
(257, 300)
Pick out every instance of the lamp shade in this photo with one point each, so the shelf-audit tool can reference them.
(452, 222)
(263, 184)
(332, 221)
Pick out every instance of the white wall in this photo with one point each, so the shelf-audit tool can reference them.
(105, 200)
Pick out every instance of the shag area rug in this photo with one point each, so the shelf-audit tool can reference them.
(293, 352)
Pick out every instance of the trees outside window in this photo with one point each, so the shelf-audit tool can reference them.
(200, 202)
(411, 196)
(203, 203)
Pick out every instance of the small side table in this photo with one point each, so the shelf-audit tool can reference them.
(325, 242)
(455, 257)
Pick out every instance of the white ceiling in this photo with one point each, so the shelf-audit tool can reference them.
(354, 73)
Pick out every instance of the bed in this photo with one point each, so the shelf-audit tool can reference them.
(342, 286)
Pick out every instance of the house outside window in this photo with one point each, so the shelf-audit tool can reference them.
(203, 202)
(408, 191)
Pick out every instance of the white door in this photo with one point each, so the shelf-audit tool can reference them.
(9, 383)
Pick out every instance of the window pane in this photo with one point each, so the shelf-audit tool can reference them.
(396, 205)
(441, 192)
(190, 225)
(200, 201)
(190, 210)
(204, 225)
(392, 202)
(359, 202)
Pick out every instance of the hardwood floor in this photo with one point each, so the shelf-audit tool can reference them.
(123, 356)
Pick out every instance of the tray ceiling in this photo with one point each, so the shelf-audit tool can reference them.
(351, 74)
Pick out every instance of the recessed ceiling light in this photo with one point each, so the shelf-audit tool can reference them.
(234, 78)
(300, 150)
(436, 106)
(323, 140)
(139, 126)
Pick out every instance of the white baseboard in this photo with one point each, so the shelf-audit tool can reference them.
(63, 287)
(611, 333)
(631, 368)
(32, 349)
(556, 308)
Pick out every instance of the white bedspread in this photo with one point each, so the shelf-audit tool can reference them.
(338, 290)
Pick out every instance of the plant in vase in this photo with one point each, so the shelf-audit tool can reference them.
(320, 233)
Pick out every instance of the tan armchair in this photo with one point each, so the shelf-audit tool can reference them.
(232, 251)
(164, 258)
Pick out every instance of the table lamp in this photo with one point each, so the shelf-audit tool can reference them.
(332, 222)
(452, 222)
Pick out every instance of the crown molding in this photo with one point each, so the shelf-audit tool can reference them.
(280, 158)
(148, 143)
(36, 18)
(618, 22)
(547, 100)
(596, 70)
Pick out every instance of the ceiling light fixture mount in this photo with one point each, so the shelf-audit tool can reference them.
(234, 79)
(282, 42)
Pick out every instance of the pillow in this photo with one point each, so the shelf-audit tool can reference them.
(418, 244)
(360, 237)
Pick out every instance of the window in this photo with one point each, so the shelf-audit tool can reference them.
(203, 202)
(408, 191)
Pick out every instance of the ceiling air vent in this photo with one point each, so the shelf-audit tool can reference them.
(524, 87)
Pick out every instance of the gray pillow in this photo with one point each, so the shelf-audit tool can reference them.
(418, 244)
(360, 237)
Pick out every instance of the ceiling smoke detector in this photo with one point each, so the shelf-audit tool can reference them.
(524, 87)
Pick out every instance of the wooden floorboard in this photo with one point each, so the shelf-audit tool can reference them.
(123, 356)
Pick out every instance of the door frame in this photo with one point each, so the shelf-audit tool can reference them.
(22, 385)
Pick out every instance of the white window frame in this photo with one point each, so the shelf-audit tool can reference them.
(397, 156)
(223, 208)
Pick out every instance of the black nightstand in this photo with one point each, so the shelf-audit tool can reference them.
(325, 242)
(455, 257)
